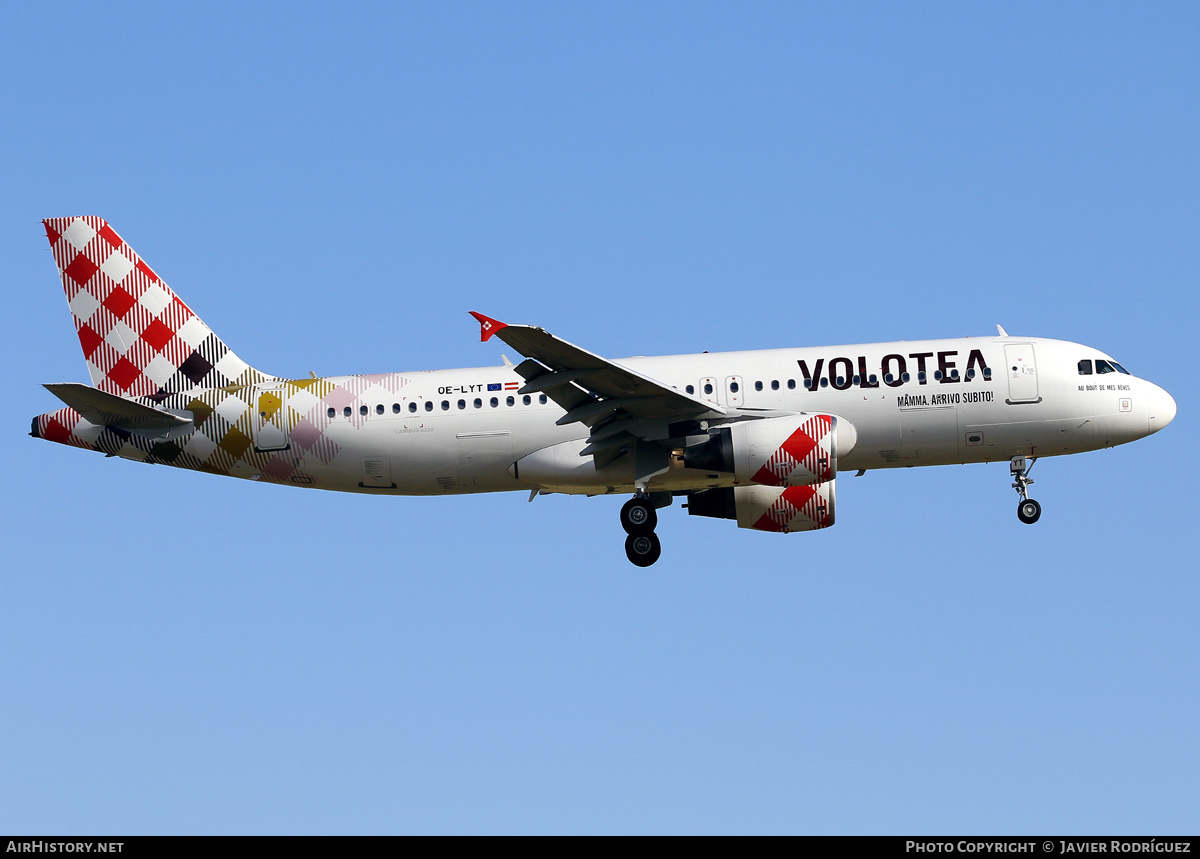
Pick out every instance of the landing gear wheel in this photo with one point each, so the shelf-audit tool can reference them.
(1028, 511)
(643, 549)
(638, 517)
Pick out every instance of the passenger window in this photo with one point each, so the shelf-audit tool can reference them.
(332, 412)
(379, 409)
(921, 376)
(362, 410)
(412, 407)
(856, 380)
(478, 403)
(824, 383)
(1085, 367)
(346, 411)
(791, 384)
(987, 373)
(445, 405)
(733, 387)
(808, 383)
(690, 389)
(462, 404)
(429, 405)
(526, 400)
(888, 378)
(905, 377)
(509, 401)
(970, 374)
(542, 399)
(758, 386)
(874, 380)
(774, 384)
(493, 402)
(395, 408)
(1104, 367)
(708, 389)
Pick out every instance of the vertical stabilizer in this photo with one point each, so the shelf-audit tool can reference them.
(138, 337)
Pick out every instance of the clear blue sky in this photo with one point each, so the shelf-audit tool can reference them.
(333, 187)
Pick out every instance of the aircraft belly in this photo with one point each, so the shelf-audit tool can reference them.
(438, 455)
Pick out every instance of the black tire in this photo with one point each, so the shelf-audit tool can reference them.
(1029, 511)
(638, 516)
(643, 549)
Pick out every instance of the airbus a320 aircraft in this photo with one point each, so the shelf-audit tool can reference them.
(757, 437)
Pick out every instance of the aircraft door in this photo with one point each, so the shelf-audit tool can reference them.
(1022, 373)
(733, 391)
(708, 389)
(483, 458)
(929, 435)
(271, 420)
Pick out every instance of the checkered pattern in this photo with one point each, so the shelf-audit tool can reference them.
(226, 423)
(142, 342)
(806, 456)
(796, 508)
(138, 338)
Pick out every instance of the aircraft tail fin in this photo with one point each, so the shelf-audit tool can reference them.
(138, 337)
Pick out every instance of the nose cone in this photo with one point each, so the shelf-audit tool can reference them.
(1161, 409)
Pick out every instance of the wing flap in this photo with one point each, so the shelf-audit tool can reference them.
(583, 383)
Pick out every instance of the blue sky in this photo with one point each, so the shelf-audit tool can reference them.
(333, 187)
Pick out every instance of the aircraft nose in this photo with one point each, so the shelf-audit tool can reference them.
(1162, 408)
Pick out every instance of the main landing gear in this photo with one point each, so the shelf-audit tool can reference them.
(1028, 510)
(638, 518)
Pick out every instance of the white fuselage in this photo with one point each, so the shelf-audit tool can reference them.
(929, 402)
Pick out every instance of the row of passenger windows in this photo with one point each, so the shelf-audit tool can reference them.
(840, 381)
(1102, 367)
(380, 409)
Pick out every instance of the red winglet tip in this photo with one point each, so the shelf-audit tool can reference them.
(487, 326)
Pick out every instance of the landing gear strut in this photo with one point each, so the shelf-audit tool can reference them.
(638, 518)
(1028, 510)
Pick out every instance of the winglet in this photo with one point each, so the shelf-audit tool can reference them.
(487, 326)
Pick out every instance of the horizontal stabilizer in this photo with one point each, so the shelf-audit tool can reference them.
(105, 409)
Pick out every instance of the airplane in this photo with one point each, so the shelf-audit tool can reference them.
(757, 437)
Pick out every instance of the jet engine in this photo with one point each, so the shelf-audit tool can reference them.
(782, 509)
(797, 450)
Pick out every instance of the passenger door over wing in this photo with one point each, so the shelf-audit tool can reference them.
(733, 392)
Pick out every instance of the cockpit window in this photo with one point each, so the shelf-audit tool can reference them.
(1121, 369)
(1104, 367)
(1085, 367)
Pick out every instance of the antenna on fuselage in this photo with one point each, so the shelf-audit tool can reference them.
(1003, 333)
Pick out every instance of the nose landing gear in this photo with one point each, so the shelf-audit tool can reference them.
(639, 518)
(1028, 510)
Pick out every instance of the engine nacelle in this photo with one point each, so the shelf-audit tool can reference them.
(782, 509)
(797, 450)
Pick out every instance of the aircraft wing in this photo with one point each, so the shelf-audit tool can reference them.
(617, 403)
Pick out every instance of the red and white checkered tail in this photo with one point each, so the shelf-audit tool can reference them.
(139, 339)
